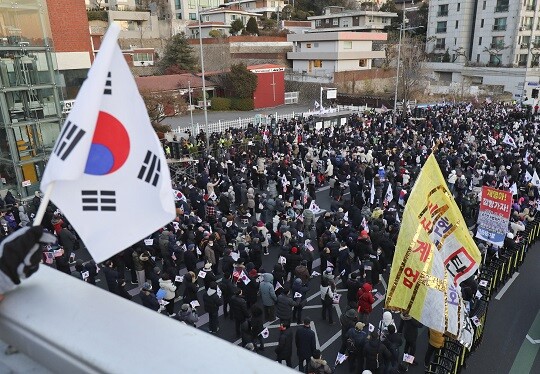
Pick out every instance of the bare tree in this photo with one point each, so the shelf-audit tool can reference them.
(412, 72)
(494, 51)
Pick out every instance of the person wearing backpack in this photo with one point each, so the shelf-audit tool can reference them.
(354, 346)
(327, 296)
(393, 341)
(376, 354)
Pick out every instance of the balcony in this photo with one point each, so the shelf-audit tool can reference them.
(496, 45)
(526, 28)
(524, 46)
(442, 14)
(531, 7)
(501, 8)
(499, 27)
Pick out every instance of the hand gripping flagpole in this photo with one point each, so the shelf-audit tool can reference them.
(43, 205)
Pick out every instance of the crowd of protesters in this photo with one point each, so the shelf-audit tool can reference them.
(260, 199)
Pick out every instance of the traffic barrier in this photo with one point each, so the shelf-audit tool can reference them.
(452, 357)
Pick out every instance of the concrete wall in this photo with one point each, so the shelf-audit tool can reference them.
(367, 82)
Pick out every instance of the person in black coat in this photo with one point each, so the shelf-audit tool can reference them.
(257, 326)
(239, 310)
(212, 301)
(190, 258)
(121, 290)
(353, 285)
(279, 275)
(376, 354)
(305, 343)
(228, 289)
(190, 290)
(148, 298)
(285, 344)
(410, 334)
(91, 268)
(111, 276)
(227, 262)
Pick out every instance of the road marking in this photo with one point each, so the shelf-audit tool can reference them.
(506, 286)
(312, 325)
(528, 351)
(533, 341)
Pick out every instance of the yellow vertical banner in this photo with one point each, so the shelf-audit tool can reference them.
(434, 254)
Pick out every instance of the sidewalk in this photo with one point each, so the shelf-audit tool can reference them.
(198, 116)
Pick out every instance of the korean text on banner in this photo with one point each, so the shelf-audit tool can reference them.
(108, 166)
(434, 254)
(495, 207)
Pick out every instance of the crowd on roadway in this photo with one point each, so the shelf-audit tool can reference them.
(261, 199)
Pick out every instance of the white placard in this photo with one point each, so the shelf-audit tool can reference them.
(315, 273)
(408, 358)
(148, 241)
(340, 358)
(26, 183)
(478, 294)
(202, 274)
(483, 283)
(297, 295)
(300, 234)
(194, 304)
(331, 93)
(282, 260)
(265, 333)
(85, 275)
(58, 252)
(235, 256)
(371, 328)
(179, 278)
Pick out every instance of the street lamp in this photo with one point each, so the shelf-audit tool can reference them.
(402, 29)
(203, 79)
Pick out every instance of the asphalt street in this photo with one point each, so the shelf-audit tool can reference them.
(513, 314)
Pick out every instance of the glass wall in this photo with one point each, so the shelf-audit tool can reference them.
(30, 114)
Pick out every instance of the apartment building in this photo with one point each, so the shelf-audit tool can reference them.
(335, 18)
(488, 33)
(263, 7)
(219, 19)
(317, 56)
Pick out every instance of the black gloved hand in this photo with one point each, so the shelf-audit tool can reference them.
(20, 255)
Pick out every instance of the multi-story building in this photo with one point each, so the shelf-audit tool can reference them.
(30, 112)
(263, 7)
(219, 19)
(187, 9)
(320, 55)
(492, 33)
(335, 18)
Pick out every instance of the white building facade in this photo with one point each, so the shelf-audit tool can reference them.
(325, 53)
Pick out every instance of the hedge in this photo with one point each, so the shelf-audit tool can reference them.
(221, 103)
(242, 104)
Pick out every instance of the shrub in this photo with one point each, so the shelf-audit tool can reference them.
(242, 104)
(221, 103)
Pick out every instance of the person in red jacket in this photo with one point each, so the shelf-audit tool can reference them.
(365, 302)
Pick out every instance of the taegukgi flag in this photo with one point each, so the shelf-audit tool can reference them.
(109, 171)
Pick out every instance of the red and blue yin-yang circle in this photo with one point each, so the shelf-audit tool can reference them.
(110, 146)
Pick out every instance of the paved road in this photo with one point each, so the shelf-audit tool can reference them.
(513, 314)
(198, 116)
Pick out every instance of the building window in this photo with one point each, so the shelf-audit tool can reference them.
(317, 63)
(441, 27)
(362, 63)
(522, 60)
(531, 5)
(484, 5)
(458, 6)
(192, 16)
(347, 44)
(143, 59)
(178, 15)
(478, 58)
(457, 24)
(440, 44)
(497, 42)
(318, 23)
(526, 23)
(316, 45)
(525, 41)
(480, 41)
(501, 6)
(308, 45)
(335, 21)
(233, 17)
(482, 23)
(500, 24)
(495, 59)
(177, 4)
(206, 18)
(443, 10)
(192, 4)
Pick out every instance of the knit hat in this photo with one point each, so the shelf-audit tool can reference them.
(207, 266)
(364, 234)
(185, 307)
(294, 250)
(147, 286)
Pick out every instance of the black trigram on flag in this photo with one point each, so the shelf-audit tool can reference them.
(108, 85)
(151, 169)
(69, 137)
(93, 200)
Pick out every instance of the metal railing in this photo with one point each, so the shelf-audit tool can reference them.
(65, 325)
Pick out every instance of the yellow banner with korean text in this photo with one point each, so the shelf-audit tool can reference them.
(434, 254)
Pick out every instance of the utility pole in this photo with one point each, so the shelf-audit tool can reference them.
(203, 79)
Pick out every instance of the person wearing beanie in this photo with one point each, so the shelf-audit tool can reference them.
(293, 260)
(317, 364)
(148, 298)
(212, 301)
(355, 339)
(347, 320)
(187, 315)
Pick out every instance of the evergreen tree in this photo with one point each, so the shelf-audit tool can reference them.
(241, 82)
(252, 28)
(236, 27)
(178, 54)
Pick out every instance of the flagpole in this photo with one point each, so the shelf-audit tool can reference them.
(43, 205)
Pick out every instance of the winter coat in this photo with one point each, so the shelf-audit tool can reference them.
(210, 255)
(266, 288)
(239, 308)
(25, 220)
(359, 337)
(326, 288)
(318, 365)
(190, 292)
(67, 239)
(227, 288)
(272, 189)
(212, 301)
(302, 272)
(149, 300)
(305, 342)
(348, 320)
(300, 287)
(284, 307)
(168, 287)
(376, 354)
(410, 329)
(111, 276)
(285, 345)
(251, 198)
(365, 299)
(189, 316)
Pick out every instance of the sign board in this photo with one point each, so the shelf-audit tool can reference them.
(331, 93)
(495, 207)
(26, 183)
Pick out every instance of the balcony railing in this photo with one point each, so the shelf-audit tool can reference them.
(499, 27)
(531, 7)
(87, 337)
(440, 30)
(440, 46)
(501, 8)
(496, 45)
(442, 14)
